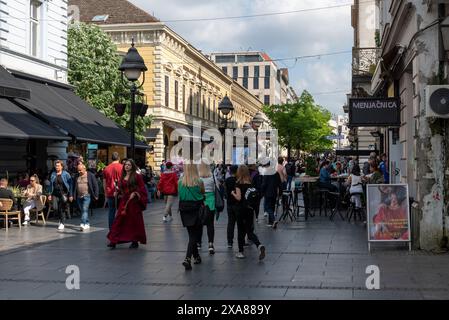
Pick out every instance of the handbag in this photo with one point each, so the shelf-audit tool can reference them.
(219, 202)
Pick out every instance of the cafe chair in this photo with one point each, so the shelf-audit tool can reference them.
(40, 213)
(7, 215)
(352, 210)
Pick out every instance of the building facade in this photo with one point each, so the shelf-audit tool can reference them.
(182, 85)
(414, 51)
(257, 73)
(41, 119)
(365, 54)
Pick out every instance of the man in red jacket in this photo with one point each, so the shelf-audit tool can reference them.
(168, 186)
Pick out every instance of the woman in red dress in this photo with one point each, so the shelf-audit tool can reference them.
(128, 224)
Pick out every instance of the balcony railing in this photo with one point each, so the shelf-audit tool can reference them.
(364, 61)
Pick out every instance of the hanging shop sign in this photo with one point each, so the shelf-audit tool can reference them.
(379, 112)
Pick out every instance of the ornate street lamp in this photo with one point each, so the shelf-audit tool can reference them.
(226, 109)
(132, 67)
(257, 123)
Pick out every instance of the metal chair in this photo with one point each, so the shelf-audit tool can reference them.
(353, 210)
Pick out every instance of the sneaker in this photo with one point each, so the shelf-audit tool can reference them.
(229, 245)
(134, 245)
(111, 245)
(240, 255)
(86, 226)
(265, 214)
(61, 227)
(25, 223)
(187, 264)
(211, 248)
(164, 219)
(169, 218)
(197, 260)
(261, 252)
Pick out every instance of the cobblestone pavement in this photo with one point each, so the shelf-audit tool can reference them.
(317, 259)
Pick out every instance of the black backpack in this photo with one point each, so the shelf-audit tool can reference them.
(251, 197)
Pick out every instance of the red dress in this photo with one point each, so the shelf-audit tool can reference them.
(128, 224)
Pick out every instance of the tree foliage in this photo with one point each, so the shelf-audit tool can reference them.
(93, 70)
(303, 125)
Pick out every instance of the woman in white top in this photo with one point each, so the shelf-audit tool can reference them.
(209, 191)
(32, 194)
(356, 186)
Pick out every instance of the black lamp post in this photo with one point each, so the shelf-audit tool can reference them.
(132, 67)
(257, 122)
(226, 109)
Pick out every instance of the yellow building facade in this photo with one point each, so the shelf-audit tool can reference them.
(182, 85)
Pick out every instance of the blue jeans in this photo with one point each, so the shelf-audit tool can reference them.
(151, 192)
(270, 207)
(289, 182)
(112, 209)
(83, 204)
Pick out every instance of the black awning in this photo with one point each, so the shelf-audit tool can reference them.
(63, 108)
(12, 88)
(16, 123)
(347, 153)
(151, 133)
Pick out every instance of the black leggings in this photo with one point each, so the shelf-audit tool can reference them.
(245, 226)
(210, 228)
(194, 236)
(60, 207)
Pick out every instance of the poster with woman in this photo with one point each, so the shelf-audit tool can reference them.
(388, 212)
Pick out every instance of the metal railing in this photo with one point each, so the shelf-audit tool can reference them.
(364, 60)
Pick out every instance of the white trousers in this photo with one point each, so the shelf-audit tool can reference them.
(27, 207)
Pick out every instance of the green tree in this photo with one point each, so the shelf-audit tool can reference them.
(303, 125)
(93, 71)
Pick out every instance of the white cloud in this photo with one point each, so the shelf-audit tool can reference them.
(287, 35)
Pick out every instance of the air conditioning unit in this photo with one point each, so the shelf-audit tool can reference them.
(437, 101)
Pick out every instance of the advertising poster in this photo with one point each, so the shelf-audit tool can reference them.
(388, 212)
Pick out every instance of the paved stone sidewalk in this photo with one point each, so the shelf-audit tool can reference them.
(317, 259)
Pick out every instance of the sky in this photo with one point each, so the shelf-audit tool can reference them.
(280, 36)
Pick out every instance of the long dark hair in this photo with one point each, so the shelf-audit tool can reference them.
(132, 181)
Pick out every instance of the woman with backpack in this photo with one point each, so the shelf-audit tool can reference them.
(209, 191)
(191, 196)
(246, 196)
(168, 186)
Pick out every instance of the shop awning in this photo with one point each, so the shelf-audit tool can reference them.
(16, 123)
(151, 133)
(60, 106)
(11, 87)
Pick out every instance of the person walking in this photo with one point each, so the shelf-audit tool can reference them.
(32, 193)
(128, 225)
(243, 194)
(111, 176)
(256, 180)
(209, 192)
(85, 190)
(271, 187)
(61, 187)
(191, 196)
(230, 204)
(168, 186)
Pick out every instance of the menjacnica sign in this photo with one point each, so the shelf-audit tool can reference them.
(374, 112)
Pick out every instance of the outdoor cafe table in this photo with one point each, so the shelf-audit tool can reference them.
(307, 180)
(340, 179)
